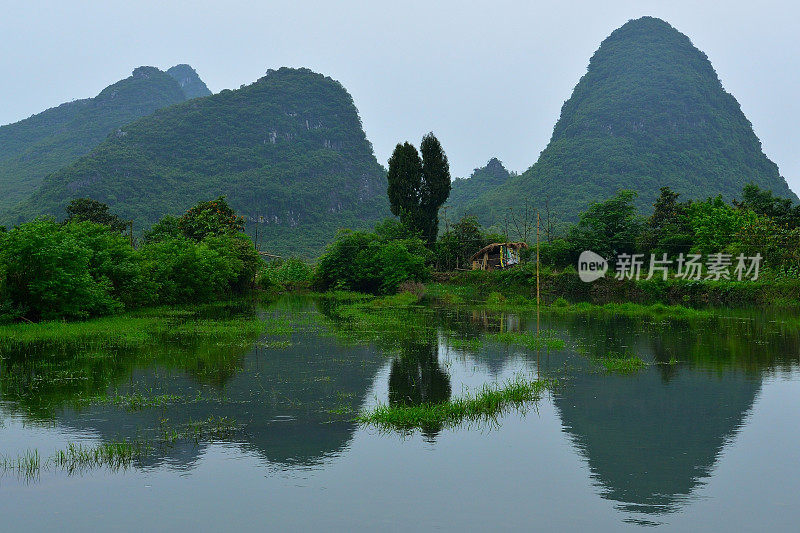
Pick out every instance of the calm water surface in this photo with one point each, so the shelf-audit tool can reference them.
(704, 439)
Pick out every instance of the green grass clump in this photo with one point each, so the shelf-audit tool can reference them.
(114, 455)
(621, 364)
(26, 465)
(487, 404)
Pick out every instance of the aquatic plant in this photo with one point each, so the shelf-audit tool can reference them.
(620, 363)
(487, 404)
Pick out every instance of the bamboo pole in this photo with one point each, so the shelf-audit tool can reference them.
(537, 272)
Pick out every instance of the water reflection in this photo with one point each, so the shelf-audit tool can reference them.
(649, 439)
(652, 438)
(417, 378)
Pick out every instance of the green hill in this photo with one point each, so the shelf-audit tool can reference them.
(289, 148)
(649, 112)
(32, 148)
(191, 84)
(482, 180)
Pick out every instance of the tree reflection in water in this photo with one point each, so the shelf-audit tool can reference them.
(416, 378)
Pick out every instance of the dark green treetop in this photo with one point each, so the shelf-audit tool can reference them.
(418, 186)
(88, 210)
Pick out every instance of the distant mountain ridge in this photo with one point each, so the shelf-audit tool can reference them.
(43, 143)
(649, 112)
(481, 181)
(191, 84)
(288, 150)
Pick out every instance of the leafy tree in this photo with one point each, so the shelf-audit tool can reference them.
(715, 224)
(214, 217)
(781, 210)
(366, 262)
(435, 184)
(46, 274)
(88, 210)
(608, 228)
(113, 262)
(405, 182)
(419, 186)
(165, 228)
(668, 229)
(457, 245)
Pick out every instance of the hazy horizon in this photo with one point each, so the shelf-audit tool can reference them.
(488, 80)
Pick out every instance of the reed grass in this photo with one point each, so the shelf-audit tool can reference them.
(620, 363)
(487, 404)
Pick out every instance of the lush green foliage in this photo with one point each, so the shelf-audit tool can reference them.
(286, 274)
(608, 228)
(459, 242)
(46, 273)
(375, 263)
(211, 218)
(32, 148)
(81, 269)
(419, 186)
(649, 112)
(88, 210)
(288, 151)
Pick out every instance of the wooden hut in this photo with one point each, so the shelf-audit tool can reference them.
(497, 256)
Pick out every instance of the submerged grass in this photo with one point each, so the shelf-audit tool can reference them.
(526, 339)
(114, 455)
(620, 364)
(487, 404)
(137, 401)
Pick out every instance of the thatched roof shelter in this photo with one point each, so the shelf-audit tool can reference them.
(494, 248)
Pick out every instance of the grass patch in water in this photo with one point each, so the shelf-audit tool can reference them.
(114, 455)
(137, 401)
(487, 404)
(526, 339)
(448, 294)
(132, 330)
(620, 364)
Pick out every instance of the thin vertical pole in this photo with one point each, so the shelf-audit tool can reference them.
(537, 272)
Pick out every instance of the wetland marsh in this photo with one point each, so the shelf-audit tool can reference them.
(263, 415)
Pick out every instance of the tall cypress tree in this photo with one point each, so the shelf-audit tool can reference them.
(405, 182)
(435, 184)
(419, 186)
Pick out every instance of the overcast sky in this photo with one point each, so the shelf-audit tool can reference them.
(488, 78)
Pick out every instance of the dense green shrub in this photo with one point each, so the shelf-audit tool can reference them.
(286, 274)
(49, 271)
(214, 217)
(81, 268)
(371, 263)
(189, 271)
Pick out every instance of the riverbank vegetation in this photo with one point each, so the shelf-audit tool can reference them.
(87, 266)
